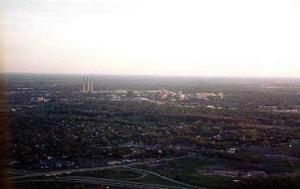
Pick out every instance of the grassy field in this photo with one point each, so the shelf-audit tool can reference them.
(111, 174)
(207, 181)
(185, 170)
(124, 174)
(189, 163)
(151, 179)
(51, 185)
(282, 166)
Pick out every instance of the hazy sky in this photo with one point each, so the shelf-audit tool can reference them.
(156, 37)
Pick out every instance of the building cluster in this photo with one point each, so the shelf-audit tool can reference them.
(161, 96)
(290, 109)
(40, 99)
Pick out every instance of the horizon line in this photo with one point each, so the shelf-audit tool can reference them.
(157, 75)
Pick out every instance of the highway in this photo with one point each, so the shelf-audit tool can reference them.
(105, 182)
(32, 174)
(64, 175)
(163, 177)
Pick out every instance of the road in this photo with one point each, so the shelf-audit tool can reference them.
(165, 178)
(70, 171)
(63, 174)
(99, 181)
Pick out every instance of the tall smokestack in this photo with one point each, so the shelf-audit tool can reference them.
(88, 85)
(92, 86)
(84, 85)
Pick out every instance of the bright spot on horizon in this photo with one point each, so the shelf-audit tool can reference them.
(157, 37)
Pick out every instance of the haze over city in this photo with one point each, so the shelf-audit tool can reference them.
(152, 94)
(157, 37)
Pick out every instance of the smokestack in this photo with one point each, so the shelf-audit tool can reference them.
(88, 86)
(92, 86)
(84, 85)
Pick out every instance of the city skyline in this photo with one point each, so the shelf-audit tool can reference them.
(176, 38)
